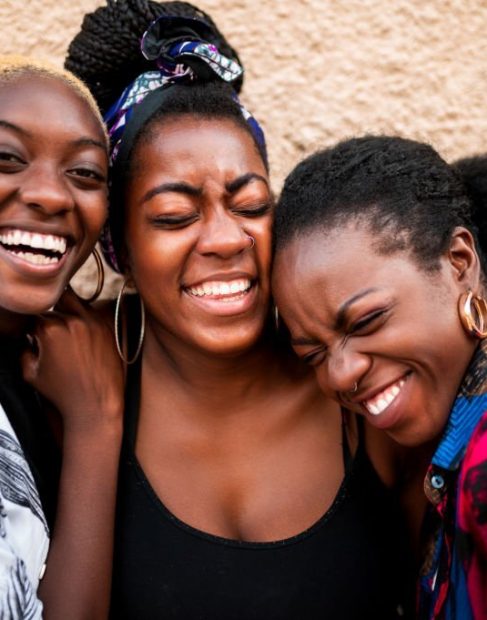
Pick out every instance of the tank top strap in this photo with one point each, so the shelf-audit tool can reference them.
(132, 385)
(132, 402)
(347, 454)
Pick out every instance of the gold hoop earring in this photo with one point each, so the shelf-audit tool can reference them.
(142, 327)
(100, 278)
(474, 320)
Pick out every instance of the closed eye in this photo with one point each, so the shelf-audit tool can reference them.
(367, 321)
(254, 211)
(315, 357)
(172, 222)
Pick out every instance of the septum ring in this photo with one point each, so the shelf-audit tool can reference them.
(354, 389)
(252, 241)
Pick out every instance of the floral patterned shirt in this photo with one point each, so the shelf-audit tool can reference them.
(453, 583)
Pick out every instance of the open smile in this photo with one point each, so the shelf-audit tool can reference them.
(384, 399)
(223, 297)
(34, 250)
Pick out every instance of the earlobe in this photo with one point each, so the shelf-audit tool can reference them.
(463, 258)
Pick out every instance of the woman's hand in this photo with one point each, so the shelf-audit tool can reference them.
(74, 364)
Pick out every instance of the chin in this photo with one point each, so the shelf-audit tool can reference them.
(417, 435)
(32, 303)
(231, 345)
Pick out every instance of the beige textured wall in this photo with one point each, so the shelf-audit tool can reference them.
(321, 70)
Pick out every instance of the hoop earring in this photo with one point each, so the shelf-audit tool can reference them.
(100, 277)
(354, 388)
(473, 320)
(142, 327)
(275, 312)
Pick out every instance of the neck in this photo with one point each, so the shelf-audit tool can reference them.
(13, 325)
(215, 381)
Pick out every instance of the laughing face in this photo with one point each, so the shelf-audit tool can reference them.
(382, 334)
(53, 168)
(198, 219)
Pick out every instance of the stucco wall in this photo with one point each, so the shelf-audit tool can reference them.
(321, 70)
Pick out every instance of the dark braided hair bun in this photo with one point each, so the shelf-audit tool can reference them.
(106, 54)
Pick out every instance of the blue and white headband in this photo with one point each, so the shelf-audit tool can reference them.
(180, 51)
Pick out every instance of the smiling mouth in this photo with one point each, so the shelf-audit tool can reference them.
(34, 248)
(381, 401)
(227, 291)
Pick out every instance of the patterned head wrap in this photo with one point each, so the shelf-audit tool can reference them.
(179, 49)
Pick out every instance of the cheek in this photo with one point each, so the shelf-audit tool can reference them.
(94, 214)
(262, 233)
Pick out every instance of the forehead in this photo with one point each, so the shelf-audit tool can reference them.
(37, 102)
(317, 271)
(190, 146)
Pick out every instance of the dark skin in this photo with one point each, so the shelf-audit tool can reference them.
(381, 324)
(53, 168)
(387, 325)
(240, 426)
(240, 443)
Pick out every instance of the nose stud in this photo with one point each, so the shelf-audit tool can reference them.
(354, 389)
(252, 241)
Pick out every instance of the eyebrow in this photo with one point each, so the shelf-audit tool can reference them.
(167, 188)
(235, 186)
(90, 142)
(79, 142)
(342, 310)
(15, 128)
(303, 341)
(340, 319)
(191, 190)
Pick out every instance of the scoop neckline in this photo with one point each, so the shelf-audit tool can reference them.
(340, 496)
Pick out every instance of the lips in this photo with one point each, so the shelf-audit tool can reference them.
(223, 295)
(34, 253)
(34, 248)
(223, 290)
(381, 401)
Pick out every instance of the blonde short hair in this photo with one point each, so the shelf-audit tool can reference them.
(13, 66)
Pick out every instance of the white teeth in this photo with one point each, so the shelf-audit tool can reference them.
(34, 240)
(37, 259)
(221, 288)
(379, 403)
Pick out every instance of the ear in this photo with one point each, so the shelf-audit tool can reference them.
(464, 260)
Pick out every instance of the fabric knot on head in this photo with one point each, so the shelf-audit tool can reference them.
(182, 50)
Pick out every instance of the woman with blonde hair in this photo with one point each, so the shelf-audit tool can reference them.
(53, 173)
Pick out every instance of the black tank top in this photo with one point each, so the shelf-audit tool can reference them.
(347, 566)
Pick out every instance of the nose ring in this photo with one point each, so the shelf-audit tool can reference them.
(354, 389)
(252, 241)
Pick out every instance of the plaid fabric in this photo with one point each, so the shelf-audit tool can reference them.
(453, 583)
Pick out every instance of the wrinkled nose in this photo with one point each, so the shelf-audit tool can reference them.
(47, 190)
(344, 370)
(223, 235)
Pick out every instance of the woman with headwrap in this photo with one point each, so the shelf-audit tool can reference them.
(241, 494)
